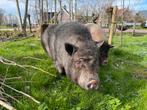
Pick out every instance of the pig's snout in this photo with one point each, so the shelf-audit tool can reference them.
(92, 84)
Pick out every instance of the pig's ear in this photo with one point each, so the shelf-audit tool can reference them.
(70, 48)
(99, 44)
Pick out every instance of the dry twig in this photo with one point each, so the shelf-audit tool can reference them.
(9, 62)
(9, 96)
(13, 78)
(30, 97)
(33, 58)
(4, 104)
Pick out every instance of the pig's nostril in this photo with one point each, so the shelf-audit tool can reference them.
(92, 84)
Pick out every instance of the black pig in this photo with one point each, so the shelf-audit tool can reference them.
(73, 51)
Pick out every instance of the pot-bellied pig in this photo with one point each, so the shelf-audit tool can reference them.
(73, 51)
(99, 37)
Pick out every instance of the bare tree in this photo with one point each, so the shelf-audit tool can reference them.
(29, 19)
(121, 34)
(25, 17)
(36, 11)
(47, 17)
(75, 8)
(55, 5)
(60, 2)
(19, 14)
(71, 9)
(1, 16)
(41, 11)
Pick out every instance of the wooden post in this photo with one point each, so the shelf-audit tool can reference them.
(112, 25)
(109, 12)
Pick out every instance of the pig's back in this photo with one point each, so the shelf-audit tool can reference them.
(72, 33)
(67, 30)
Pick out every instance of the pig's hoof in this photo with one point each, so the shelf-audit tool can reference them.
(59, 68)
(61, 71)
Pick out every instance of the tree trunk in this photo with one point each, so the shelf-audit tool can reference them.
(122, 19)
(71, 9)
(25, 17)
(60, 2)
(42, 14)
(47, 16)
(30, 26)
(36, 10)
(134, 26)
(50, 17)
(41, 11)
(55, 11)
(75, 4)
(19, 14)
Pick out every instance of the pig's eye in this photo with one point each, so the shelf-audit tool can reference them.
(87, 60)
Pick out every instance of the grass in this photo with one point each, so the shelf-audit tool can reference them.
(5, 27)
(123, 80)
(137, 27)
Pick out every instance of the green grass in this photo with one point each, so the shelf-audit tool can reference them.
(5, 27)
(137, 27)
(123, 80)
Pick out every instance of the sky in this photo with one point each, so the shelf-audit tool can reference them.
(133, 4)
(9, 6)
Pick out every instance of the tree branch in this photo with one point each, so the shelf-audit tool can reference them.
(4, 104)
(30, 97)
(9, 62)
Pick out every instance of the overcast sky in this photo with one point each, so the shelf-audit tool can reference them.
(9, 6)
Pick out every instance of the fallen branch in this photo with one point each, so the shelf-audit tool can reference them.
(4, 104)
(33, 58)
(10, 96)
(9, 62)
(22, 82)
(13, 78)
(30, 97)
